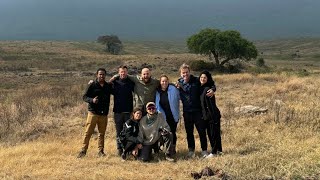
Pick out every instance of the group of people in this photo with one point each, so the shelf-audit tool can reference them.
(146, 112)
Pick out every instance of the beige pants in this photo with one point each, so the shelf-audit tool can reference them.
(92, 121)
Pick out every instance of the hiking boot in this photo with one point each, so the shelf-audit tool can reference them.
(124, 156)
(82, 154)
(120, 151)
(101, 154)
(169, 158)
(191, 154)
(204, 154)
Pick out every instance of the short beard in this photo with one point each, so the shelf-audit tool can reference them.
(146, 80)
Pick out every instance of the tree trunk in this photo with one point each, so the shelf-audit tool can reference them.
(216, 58)
(224, 61)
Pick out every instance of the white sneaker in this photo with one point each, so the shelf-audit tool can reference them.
(209, 156)
(204, 154)
(191, 154)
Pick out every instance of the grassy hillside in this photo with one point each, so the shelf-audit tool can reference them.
(42, 114)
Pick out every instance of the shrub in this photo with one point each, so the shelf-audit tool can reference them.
(303, 73)
(260, 62)
(201, 65)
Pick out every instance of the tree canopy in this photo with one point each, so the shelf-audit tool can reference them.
(222, 45)
(112, 42)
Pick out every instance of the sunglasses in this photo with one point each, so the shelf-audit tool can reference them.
(151, 108)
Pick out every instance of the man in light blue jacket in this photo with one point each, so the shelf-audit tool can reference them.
(167, 101)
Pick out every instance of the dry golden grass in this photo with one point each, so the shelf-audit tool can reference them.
(42, 117)
(255, 146)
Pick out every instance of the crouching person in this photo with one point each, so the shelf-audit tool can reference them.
(128, 138)
(154, 130)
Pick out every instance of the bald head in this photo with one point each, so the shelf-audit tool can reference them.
(145, 74)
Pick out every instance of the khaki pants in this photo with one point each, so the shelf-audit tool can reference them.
(92, 121)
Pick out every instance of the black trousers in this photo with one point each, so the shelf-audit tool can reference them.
(129, 146)
(173, 127)
(214, 134)
(119, 120)
(146, 151)
(192, 119)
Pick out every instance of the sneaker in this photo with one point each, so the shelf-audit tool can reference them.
(124, 156)
(82, 154)
(169, 158)
(191, 154)
(210, 156)
(120, 151)
(204, 154)
(101, 154)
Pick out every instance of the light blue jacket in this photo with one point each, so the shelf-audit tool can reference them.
(174, 97)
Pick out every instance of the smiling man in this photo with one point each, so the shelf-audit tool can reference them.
(189, 87)
(97, 96)
(144, 89)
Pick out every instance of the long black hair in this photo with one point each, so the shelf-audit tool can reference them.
(210, 81)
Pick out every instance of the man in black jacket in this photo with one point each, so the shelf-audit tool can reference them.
(97, 96)
(189, 87)
(123, 101)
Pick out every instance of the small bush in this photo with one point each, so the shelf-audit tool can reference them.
(260, 62)
(232, 67)
(303, 73)
(201, 65)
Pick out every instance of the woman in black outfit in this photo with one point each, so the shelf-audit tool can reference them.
(211, 114)
(128, 137)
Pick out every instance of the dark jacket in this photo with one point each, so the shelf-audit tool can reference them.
(123, 97)
(190, 94)
(95, 89)
(130, 132)
(210, 110)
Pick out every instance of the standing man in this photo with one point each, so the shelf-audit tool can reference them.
(97, 96)
(189, 87)
(123, 101)
(144, 90)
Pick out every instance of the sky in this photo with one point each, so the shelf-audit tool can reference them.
(156, 20)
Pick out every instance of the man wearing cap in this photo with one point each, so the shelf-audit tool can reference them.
(153, 129)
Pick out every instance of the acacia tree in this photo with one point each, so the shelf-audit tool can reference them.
(112, 42)
(223, 46)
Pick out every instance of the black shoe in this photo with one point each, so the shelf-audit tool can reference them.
(101, 154)
(120, 151)
(124, 156)
(81, 154)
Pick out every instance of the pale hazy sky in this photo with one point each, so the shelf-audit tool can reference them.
(151, 19)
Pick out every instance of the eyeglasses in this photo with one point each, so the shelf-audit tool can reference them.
(151, 108)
